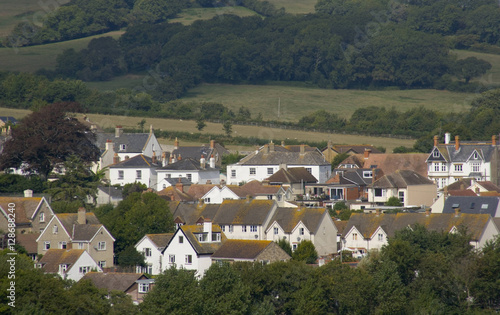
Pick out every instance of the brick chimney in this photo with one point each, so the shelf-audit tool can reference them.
(179, 185)
(118, 131)
(212, 144)
(176, 144)
(179, 157)
(493, 140)
(377, 212)
(271, 146)
(436, 141)
(82, 216)
(282, 143)
(367, 153)
(329, 144)
(457, 143)
(116, 158)
(457, 212)
(153, 158)
(109, 145)
(427, 212)
(302, 149)
(150, 128)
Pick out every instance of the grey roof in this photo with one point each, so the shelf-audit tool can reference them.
(138, 161)
(288, 218)
(114, 192)
(6, 119)
(113, 280)
(184, 181)
(265, 156)
(80, 232)
(160, 240)
(473, 204)
(402, 179)
(187, 164)
(190, 213)
(201, 248)
(355, 176)
(367, 224)
(292, 175)
(243, 212)
(449, 153)
(134, 142)
(195, 152)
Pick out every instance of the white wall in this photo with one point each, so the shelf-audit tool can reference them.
(84, 260)
(180, 250)
(155, 260)
(148, 176)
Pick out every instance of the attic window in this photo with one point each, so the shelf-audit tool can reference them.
(455, 205)
(367, 174)
(484, 206)
(435, 153)
(123, 147)
(475, 156)
(472, 204)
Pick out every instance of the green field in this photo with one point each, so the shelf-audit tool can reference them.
(492, 77)
(188, 16)
(295, 6)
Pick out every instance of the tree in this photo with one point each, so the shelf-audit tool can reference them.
(141, 124)
(131, 258)
(306, 251)
(338, 159)
(200, 123)
(285, 245)
(393, 202)
(471, 67)
(227, 126)
(47, 138)
(132, 188)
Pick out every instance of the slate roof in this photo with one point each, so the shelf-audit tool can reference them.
(134, 142)
(184, 181)
(199, 190)
(239, 212)
(138, 161)
(292, 175)
(255, 188)
(497, 222)
(55, 257)
(357, 149)
(187, 164)
(79, 232)
(473, 204)
(402, 179)
(25, 208)
(288, 218)
(202, 248)
(465, 150)
(160, 240)
(174, 194)
(6, 119)
(389, 163)
(267, 157)
(241, 249)
(113, 280)
(353, 176)
(195, 152)
(114, 192)
(341, 225)
(190, 213)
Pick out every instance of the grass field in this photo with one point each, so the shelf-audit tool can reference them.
(492, 77)
(245, 131)
(295, 6)
(188, 16)
(33, 58)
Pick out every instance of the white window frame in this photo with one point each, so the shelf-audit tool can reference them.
(243, 228)
(171, 259)
(252, 171)
(102, 263)
(253, 228)
(276, 231)
(84, 269)
(270, 171)
(233, 173)
(459, 168)
(55, 229)
(148, 252)
(101, 246)
(301, 231)
(231, 229)
(46, 245)
(435, 153)
(138, 174)
(42, 217)
(143, 287)
(63, 245)
(181, 239)
(121, 174)
(188, 259)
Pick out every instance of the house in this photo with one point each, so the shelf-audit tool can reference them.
(80, 230)
(411, 188)
(294, 178)
(135, 285)
(176, 192)
(7, 120)
(244, 219)
(264, 252)
(123, 146)
(196, 152)
(264, 191)
(28, 242)
(170, 181)
(195, 172)
(109, 195)
(191, 247)
(140, 168)
(331, 151)
(151, 246)
(473, 205)
(298, 224)
(31, 213)
(70, 264)
(452, 161)
(268, 159)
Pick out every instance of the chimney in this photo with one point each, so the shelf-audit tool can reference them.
(302, 149)
(164, 160)
(116, 158)
(329, 144)
(81, 216)
(436, 141)
(207, 228)
(118, 131)
(153, 158)
(266, 148)
(109, 145)
(447, 137)
(9, 130)
(28, 193)
(282, 143)
(445, 192)
(179, 157)
(457, 143)
(256, 149)
(93, 128)
(271, 146)
(462, 186)
(202, 161)
(212, 161)
(493, 140)
(212, 144)
(367, 153)
(209, 182)
(283, 166)
(427, 212)
(151, 129)
(176, 144)
(179, 185)
(377, 212)
(457, 212)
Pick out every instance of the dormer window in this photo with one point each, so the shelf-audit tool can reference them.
(435, 153)
(123, 147)
(475, 156)
(367, 174)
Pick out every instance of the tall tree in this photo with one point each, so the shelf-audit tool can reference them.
(46, 138)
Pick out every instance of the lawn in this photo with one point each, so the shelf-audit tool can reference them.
(492, 77)
(295, 6)
(188, 16)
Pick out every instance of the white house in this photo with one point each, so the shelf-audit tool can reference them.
(191, 247)
(269, 159)
(195, 172)
(151, 246)
(140, 168)
(450, 162)
(218, 194)
(70, 264)
(298, 224)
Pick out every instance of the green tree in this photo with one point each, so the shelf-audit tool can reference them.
(227, 126)
(141, 124)
(285, 245)
(393, 202)
(338, 159)
(471, 67)
(130, 258)
(305, 251)
(132, 188)
(200, 123)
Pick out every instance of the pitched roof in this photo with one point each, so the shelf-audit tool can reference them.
(357, 149)
(134, 142)
(195, 152)
(202, 247)
(489, 186)
(292, 175)
(341, 225)
(389, 163)
(28, 241)
(484, 149)
(160, 240)
(402, 179)
(239, 212)
(6, 119)
(80, 232)
(190, 213)
(461, 184)
(465, 192)
(367, 223)
(113, 280)
(241, 249)
(254, 188)
(266, 156)
(138, 161)
(199, 190)
(473, 204)
(174, 194)
(25, 207)
(187, 164)
(55, 257)
(288, 218)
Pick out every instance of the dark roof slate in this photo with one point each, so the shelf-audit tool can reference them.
(241, 249)
(55, 257)
(292, 175)
(473, 204)
(113, 280)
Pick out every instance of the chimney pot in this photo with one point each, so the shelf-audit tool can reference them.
(457, 212)
(153, 158)
(367, 153)
(493, 140)
(427, 212)
(176, 144)
(212, 144)
(302, 149)
(202, 161)
(436, 141)
(118, 131)
(457, 143)
(271, 146)
(447, 137)
(212, 161)
(116, 158)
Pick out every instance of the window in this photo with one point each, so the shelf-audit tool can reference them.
(147, 252)
(269, 197)
(233, 173)
(401, 195)
(84, 269)
(476, 167)
(189, 177)
(253, 228)
(55, 229)
(475, 156)
(101, 246)
(310, 170)
(252, 171)
(367, 174)
(149, 269)
(143, 287)
(243, 228)
(294, 247)
(123, 147)
(355, 236)
(435, 153)
(62, 245)
(378, 192)
(443, 167)
(215, 237)
(202, 237)
(269, 171)
(168, 175)
(458, 167)
(102, 263)
(436, 167)
(42, 217)
(301, 231)
(171, 259)
(181, 239)
(138, 174)
(278, 197)
(189, 259)
(484, 206)
(223, 228)
(231, 228)
(63, 267)
(80, 245)
(120, 174)
(380, 236)
(276, 231)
